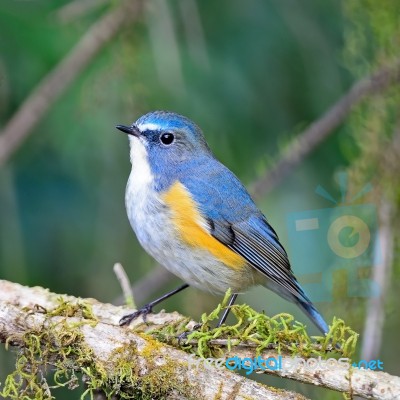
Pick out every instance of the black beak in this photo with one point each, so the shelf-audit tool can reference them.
(130, 130)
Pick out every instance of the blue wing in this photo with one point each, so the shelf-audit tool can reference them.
(237, 222)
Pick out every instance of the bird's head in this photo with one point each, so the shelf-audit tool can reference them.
(165, 138)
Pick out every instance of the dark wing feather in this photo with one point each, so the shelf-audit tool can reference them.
(236, 221)
(256, 241)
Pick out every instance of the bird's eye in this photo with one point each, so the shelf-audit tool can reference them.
(167, 138)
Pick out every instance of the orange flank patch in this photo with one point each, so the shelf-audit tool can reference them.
(193, 228)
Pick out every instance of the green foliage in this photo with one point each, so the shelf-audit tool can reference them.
(372, 34)
(373, 40)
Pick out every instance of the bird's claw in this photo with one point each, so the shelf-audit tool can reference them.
(144, 311)
(184, 335)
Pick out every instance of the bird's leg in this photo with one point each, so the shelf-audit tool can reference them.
(184, 335)
(148, 308)
(228, 308)
(232, 300)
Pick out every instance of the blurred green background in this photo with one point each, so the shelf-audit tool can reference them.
(252, 74)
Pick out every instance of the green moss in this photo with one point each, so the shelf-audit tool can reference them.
(127, 383)
(56, 345)
(280, 331)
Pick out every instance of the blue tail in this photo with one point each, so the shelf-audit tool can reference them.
(314, 315)
(301, 299)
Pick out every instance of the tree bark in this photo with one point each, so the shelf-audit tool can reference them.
(154, 366)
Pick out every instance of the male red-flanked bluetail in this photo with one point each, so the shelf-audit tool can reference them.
(193, 215)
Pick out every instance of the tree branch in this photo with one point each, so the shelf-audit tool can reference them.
(125, 284)
(108, 344)
(321, 129)
(157, 367)
(156, 279)
(56, 82)
(364, 383)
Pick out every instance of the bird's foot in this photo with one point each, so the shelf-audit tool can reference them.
(184, 335)
(144, 311)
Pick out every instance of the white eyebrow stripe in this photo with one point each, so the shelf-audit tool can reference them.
(148, 127)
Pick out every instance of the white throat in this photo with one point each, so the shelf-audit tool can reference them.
(141, 199)
(141, 176)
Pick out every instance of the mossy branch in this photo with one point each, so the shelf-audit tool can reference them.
(74, 335)
(68, 336)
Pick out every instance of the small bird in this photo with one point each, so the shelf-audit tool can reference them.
(194, 216)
